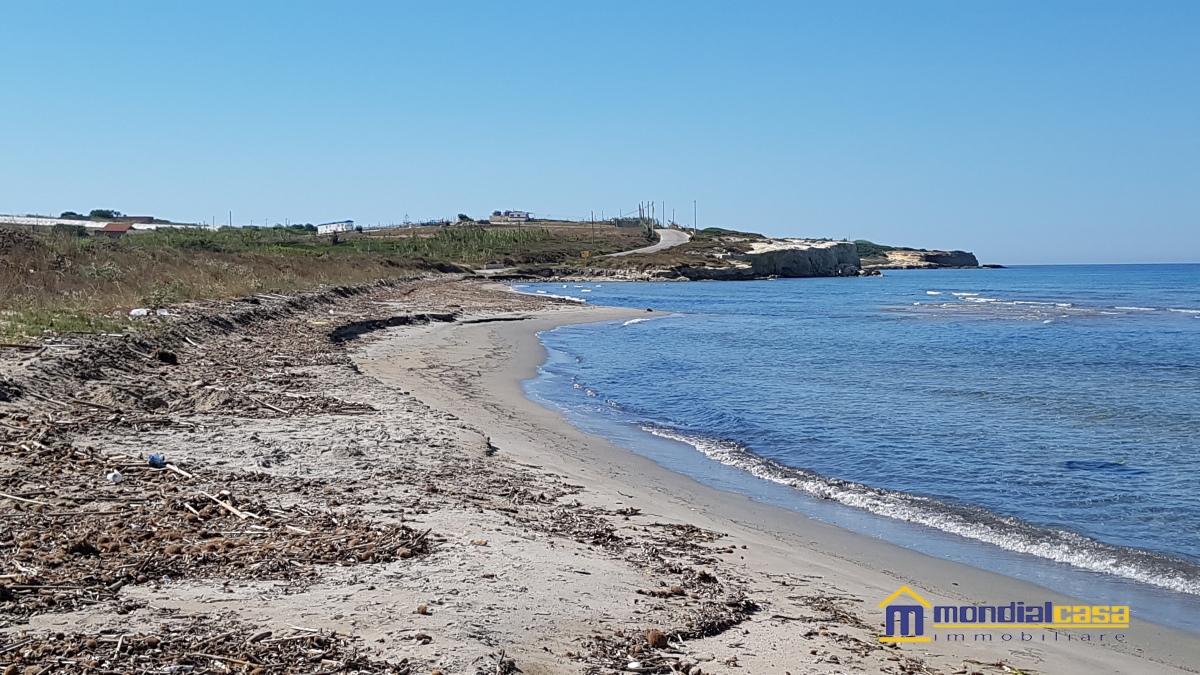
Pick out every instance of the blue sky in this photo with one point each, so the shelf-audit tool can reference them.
(1029, 132)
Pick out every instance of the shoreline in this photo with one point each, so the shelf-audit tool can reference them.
(730, 467)
(865, 568)
(359, 469)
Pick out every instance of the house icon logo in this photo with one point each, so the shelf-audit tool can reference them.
(904, 622)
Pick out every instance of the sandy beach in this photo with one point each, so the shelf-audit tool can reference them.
(525, 543)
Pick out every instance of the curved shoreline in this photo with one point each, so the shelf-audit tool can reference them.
(780, 540)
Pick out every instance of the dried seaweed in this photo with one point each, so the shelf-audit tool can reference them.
(203, 645)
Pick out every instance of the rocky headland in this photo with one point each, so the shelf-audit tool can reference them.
(731, 256)
(725, 258)
(787, 258)
(904, 259)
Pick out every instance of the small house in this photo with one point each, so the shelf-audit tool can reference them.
(115, 230)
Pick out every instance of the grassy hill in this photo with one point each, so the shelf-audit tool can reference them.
(63, 280)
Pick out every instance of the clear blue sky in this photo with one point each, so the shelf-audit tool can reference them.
(1029, 132)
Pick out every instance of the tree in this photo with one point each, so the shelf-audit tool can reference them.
(71, 215)
(464, 218)
(64, 230)
(104, 214)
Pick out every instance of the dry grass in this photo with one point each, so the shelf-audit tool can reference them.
(65, 284)
(60, 282)
(701, 251)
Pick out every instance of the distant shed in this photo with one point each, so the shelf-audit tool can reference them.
(115, 230)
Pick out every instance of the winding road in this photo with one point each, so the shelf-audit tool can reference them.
(666, 239)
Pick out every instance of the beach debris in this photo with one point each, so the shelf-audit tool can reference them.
(656, 639)
(157, 461)
(210, 645)
(499, 664)
(166, 356)
(74, 548)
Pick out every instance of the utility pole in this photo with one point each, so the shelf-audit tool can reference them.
(593, 229)
(693, 217)
(231, 218)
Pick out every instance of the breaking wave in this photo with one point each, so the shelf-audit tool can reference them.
(967, 521)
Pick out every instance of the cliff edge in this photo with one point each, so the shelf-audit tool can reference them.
(733, 257)
(791, 258)
(913, 260)
(727, 255)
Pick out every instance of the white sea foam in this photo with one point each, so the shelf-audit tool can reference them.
(1184, 311)
(517, 288)
(933, 292)
(973, 523)
(964, 295)
(1138, 309)
(633, 321)
(544, 294)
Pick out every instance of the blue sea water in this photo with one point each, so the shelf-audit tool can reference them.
(1049, 411)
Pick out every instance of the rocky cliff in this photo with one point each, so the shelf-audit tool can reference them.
(905, 259)
(740, 257)
(774, 258)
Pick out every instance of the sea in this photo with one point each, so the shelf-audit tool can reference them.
(1038, 421)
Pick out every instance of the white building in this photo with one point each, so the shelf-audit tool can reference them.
(502, 217)
(339, 226)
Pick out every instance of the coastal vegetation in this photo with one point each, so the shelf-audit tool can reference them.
(64, 279)
(870, 252)
(704, 250)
